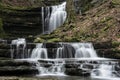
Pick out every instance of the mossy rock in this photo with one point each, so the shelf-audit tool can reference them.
(39, 40)
(115, 44)
(116, 2)
(54, 40)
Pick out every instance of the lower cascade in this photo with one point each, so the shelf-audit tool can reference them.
(84, 50)
(39, 52)
(59, 59)
(20, 44)
(56, 68)
(106, 71)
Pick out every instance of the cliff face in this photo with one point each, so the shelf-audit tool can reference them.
(22, 18)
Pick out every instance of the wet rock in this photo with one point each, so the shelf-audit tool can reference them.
(4, 46)
(108, 53)
(102, 45)
(88, 66)
(52, 45)
(76, 72)
(14, 63)
(5, 53)
(17, 71)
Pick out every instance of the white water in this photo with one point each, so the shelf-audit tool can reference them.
(56, 69)
(43, 23)
(105, 71)
(84, 50)
(39, 52)
(58, 16)
(59, 52)
(53, 17)
(18, 42)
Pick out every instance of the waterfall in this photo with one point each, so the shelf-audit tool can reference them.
(81, 55)
(18, 42)
(56, 68)
(53, 17)
(39, 52)
(58, 16)
(106, 71)
(76, 50)
(43, 24)
(59, 52)
(84, 50)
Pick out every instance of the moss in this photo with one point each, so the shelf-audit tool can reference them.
(39, 40)
(54, 40)
(115, 44)
(116, 2)
(105, 19)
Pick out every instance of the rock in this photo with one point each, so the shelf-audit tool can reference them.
(5, 53)
(17, 71)
(102, 45)
(14, 63)
(76, 72)
(108, 53)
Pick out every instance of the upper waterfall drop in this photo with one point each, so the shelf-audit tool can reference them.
(53, 17)
(58, 16)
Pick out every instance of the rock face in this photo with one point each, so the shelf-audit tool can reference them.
(107, 49)
(22, 18)
(23, 22)
(16, 68)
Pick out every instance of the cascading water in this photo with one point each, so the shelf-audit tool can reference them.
(53, 17)
(18, 42)
(84, 50)
(59, 52)
(39, 52)
(43, 23)
(105, 71)
(71, 52)
(56, 68)
(58, 16)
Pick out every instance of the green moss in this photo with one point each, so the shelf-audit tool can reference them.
(115, 44)
(39, 40)
(54, 40)
(116, 2)
(105, 19)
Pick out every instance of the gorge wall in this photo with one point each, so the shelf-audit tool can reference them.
(22, 18)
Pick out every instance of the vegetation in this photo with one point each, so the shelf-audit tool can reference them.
(99, 22)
